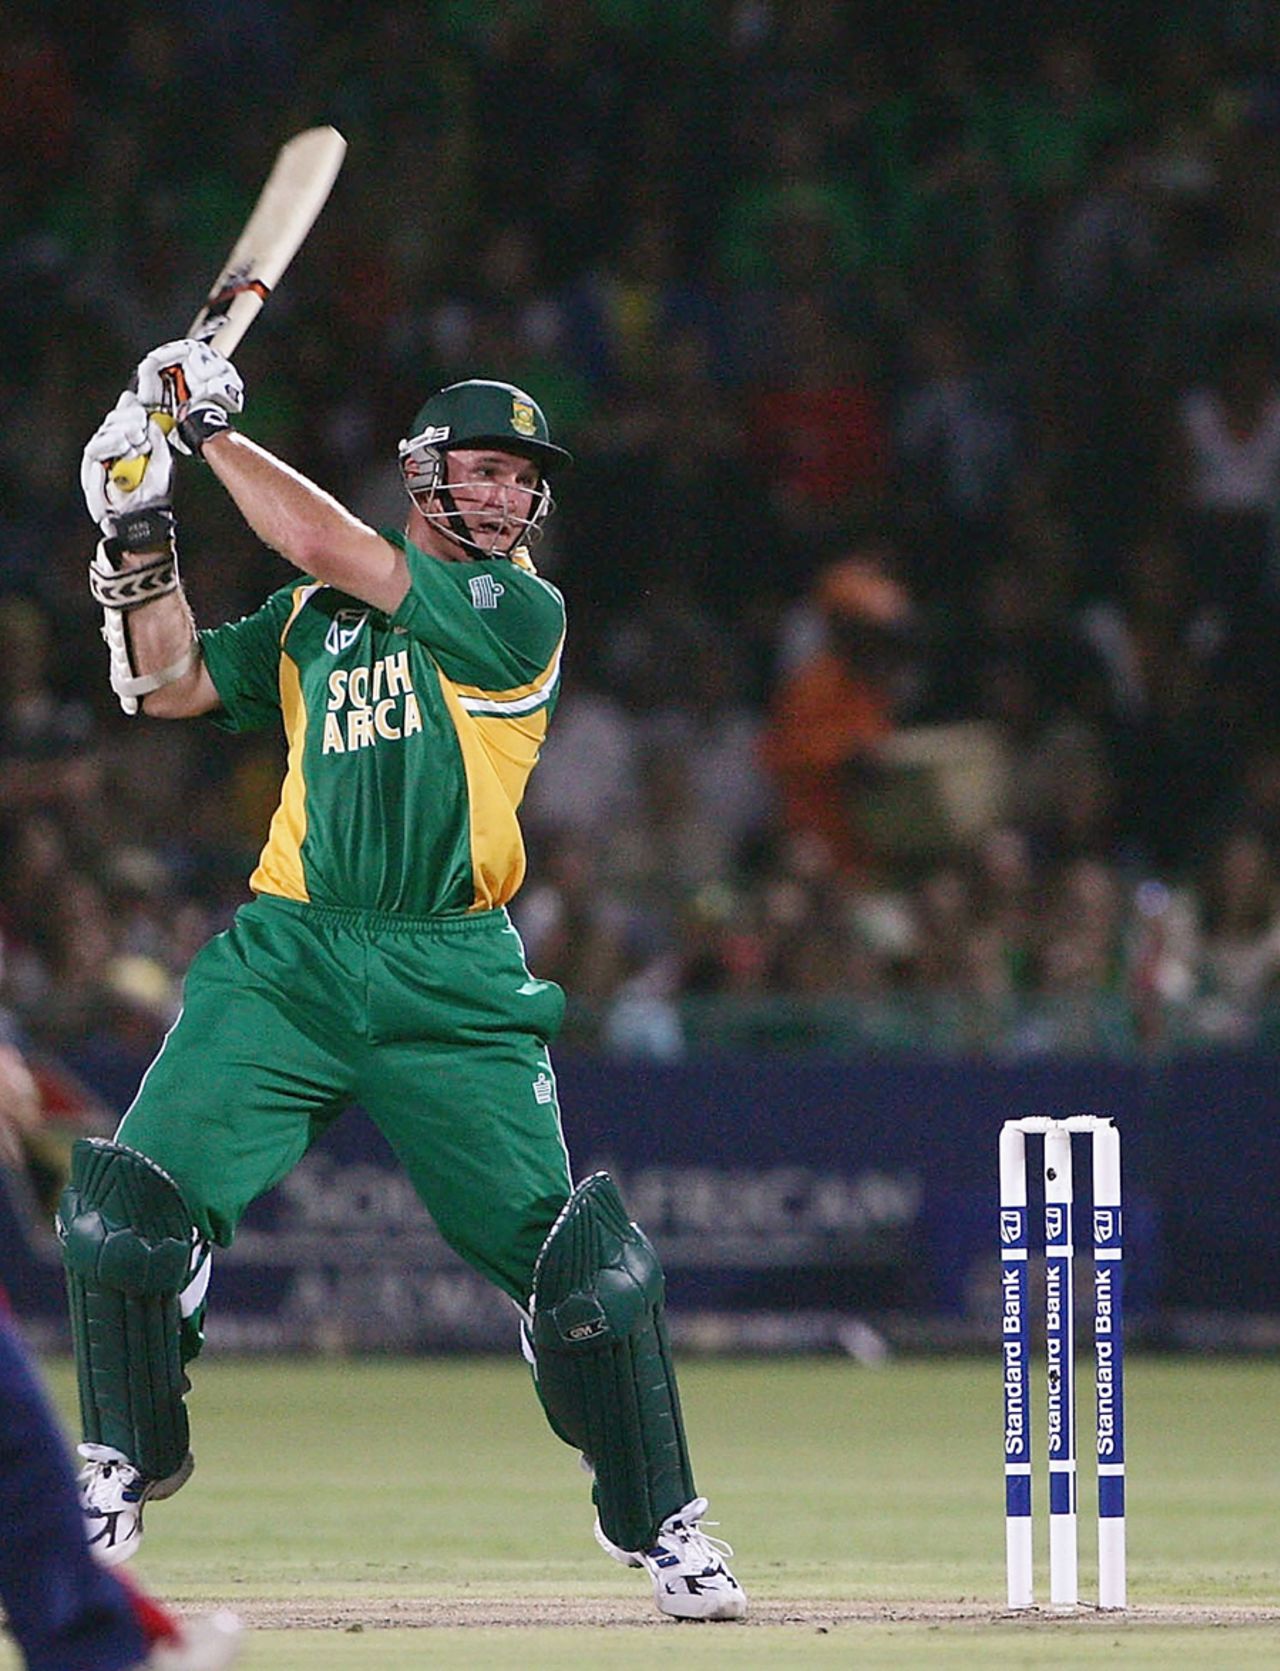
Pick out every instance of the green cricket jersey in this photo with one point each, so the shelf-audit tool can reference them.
(410, 737)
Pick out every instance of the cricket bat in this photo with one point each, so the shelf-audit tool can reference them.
(300, 181)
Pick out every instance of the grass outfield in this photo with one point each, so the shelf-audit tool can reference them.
(399, 1513)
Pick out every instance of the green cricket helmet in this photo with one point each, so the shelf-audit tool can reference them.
(477, 413)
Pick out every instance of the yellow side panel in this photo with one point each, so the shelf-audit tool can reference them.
(497, 755)
(280, 867)
(512, 746)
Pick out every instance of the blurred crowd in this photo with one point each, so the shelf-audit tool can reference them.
(921, 550)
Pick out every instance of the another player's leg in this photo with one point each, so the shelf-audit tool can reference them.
(55, 1596)
(608, 1386)
(62, 1607)
(203, 1642)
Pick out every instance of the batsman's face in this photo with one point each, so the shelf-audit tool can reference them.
(495, 494)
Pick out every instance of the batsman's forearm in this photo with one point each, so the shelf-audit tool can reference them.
(305, 524)
(160, 633)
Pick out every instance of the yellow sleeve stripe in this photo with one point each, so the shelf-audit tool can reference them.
(520, 699)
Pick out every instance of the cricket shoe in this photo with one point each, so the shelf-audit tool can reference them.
(208, 1643)
(112, 1494)
(690, 1579)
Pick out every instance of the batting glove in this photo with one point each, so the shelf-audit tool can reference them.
(194, 386)
(137, 517)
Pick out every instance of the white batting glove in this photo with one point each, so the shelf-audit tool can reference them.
(128, 431)
(194, 385)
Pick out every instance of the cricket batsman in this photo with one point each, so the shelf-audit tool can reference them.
(414, 674)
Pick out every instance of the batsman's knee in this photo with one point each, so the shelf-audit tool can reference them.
(597, 1276)
(122, 1221)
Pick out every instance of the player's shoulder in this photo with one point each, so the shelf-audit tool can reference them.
(322, 617)
(531, 584)
(502, 589)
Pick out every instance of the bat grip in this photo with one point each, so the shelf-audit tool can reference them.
(127, 473)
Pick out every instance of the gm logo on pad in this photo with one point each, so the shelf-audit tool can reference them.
(587, 1331)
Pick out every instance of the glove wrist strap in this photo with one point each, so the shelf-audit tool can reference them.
(149, 529)
(200, 424)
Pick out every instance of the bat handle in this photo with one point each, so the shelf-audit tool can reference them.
(127, 473)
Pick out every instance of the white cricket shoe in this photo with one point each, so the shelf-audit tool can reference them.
(206, 1644)
(112, 1492)
(690, 1579)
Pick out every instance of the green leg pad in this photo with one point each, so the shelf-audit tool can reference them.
(604, 1367)
(126, 1240)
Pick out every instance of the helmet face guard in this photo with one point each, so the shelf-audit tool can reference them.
(474, 415)
(425, 472)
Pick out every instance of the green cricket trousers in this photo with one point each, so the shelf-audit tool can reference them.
(433, 1025)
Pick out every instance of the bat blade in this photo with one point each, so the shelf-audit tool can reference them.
(296, 190)
(293, 196)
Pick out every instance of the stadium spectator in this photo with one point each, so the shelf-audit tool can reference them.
(955, 442)
(1055, 121)
(831, 713)
(1224, 474)
(48, 753)
(1239, 957)
(818, 426)
(626, 308)
(792, 189)
(948, 210)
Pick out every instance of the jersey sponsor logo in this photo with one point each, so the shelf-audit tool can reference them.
(344, 629)
(368, 705)
(485, 591)
(543, 1089)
